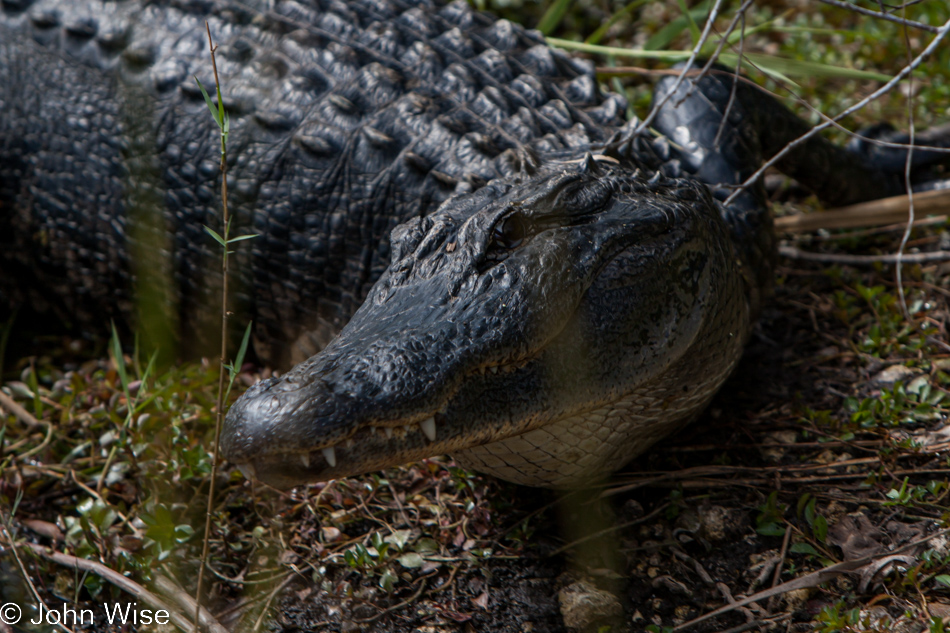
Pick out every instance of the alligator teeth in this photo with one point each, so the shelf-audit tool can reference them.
(248, 470)
(407, 429)
(330, 455)
(388, 430)
(428, 427)
(493, 369)
(305, 460)
(348, 443)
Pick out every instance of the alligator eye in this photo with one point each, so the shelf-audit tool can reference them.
(510, 233)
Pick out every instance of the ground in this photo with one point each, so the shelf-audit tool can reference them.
(826, 446)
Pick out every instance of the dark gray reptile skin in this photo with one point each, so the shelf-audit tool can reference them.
(347, 118)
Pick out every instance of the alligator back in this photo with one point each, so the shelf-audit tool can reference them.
(346, 119)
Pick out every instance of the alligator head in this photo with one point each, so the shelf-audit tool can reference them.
(545, 328)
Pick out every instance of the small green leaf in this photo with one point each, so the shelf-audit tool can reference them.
(427, 545)
(183, 532)
(411, 560)
(802, 548)
(399, 538)
(388, 580)
(120, 361)
(211, 106)
(239, 359)
(820, 528)
(943, 579)
(771, 529)
(235, 367)
(802, 502)
(810, 512)
(217, 238)
(241, 238)
(553, 16)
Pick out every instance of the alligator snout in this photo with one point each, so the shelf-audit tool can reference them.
(323, 420)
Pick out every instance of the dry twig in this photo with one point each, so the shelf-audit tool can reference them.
(892, 210)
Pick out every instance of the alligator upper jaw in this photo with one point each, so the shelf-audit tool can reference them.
(266, 417)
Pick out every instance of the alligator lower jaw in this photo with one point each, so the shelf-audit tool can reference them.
(361, 452)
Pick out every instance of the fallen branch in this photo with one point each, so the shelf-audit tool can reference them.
(881, 16)
(170, 589)
(894, 210)
(13, 408)
(864, 260)
(709, 474)
(21, 414)
(127, 585)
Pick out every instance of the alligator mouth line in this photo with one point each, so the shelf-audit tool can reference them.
(386, 433)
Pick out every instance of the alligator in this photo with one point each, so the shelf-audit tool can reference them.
(477, 250)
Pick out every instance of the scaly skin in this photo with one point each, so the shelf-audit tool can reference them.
(344, 123)
(561, 293)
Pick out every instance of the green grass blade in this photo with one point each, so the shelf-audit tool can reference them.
(235, 367)
(34, 386)
(802, 68)
(242, 351)
(217, 238)
(553, 16)
(120, 363)
(220, 118)
(778, 67)
(240, 238)
(694, 31)
(662, 38)
(633, 53)
(214, 110)
(598, 35)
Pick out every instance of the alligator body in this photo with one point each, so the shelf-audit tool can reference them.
(346, 119)
(547, 293)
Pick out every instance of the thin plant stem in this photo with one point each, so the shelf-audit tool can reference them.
(881, 16)
(908, 164)
(219, 419)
